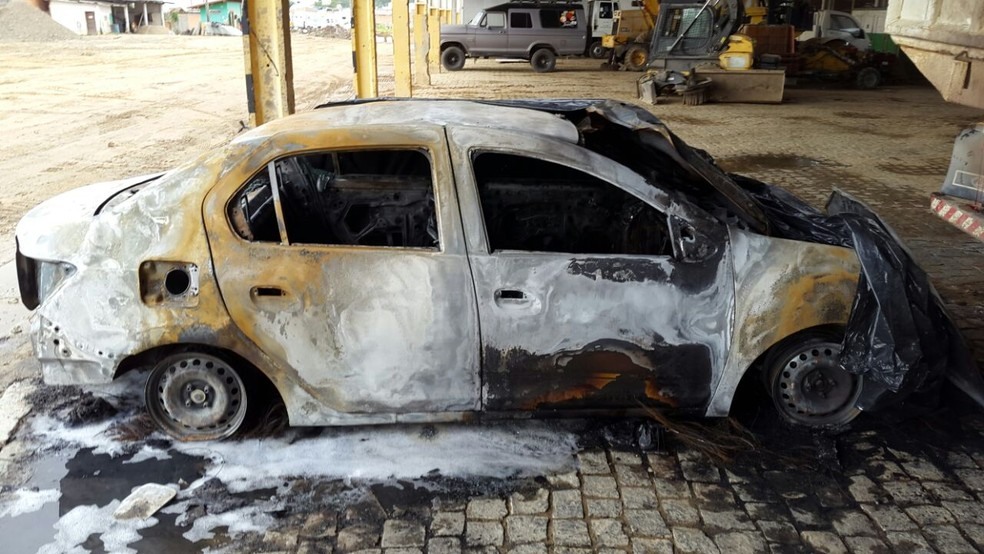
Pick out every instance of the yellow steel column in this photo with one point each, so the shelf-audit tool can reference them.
(401, 48)
(434, 30)
(421, 45)
(364, 48)
(269, 69)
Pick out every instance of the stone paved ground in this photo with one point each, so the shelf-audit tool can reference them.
(888, 485)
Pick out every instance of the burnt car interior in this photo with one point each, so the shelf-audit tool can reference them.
(358, 198)
(536, 205)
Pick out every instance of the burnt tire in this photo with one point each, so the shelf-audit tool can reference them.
(868, 78)
(543, 60)
(808, 386)
(196, 396)
(452, 58)
(597, 51)
(636, 58)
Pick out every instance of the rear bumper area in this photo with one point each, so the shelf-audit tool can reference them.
(65, 361)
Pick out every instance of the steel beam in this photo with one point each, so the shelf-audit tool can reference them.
(269, 69)
(364, 48)
(401, 48)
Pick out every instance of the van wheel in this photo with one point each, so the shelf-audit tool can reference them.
(808, 386)
(597, 51)
(453, 58)
(543, 60)
(636, 58)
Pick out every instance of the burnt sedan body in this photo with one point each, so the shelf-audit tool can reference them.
(429, 260)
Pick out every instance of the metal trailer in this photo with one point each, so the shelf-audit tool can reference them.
(945, 40)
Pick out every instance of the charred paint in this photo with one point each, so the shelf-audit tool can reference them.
(607, 374)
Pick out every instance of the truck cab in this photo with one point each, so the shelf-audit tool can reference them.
(831, 25)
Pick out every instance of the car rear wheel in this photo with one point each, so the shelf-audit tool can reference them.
(808, 386)
(453, 58)
(196, 396)
(543, 60)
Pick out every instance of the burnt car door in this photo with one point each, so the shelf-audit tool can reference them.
(340, 254)
(594, 291)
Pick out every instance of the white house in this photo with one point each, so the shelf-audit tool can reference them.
(97, 17)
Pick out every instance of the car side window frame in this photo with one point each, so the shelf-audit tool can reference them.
(270, 168)
(474, 151)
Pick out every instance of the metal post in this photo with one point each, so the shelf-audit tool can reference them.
(269, 68)
(421, 45)
(401, 48)
(364, 48)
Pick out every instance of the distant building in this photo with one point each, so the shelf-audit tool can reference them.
(228, 12)
(98, 17)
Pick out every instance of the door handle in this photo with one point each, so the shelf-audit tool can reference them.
(274, 299)
(267, 292)
(515, 299)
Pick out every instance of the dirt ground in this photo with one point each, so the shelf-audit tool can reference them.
(102, 108)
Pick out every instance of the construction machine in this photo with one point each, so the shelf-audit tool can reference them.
(695, 51)
(628, 45)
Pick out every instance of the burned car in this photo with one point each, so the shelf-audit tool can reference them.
(386, 261)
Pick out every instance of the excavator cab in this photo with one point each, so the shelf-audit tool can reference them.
(690, 33)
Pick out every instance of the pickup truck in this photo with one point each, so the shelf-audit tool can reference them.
(520, 30)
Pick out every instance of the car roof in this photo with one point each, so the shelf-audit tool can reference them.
(444, 113)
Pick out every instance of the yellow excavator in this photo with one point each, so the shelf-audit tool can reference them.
(632, 33)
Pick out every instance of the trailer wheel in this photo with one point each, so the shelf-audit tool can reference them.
(597, 51)
(543, 60)
(636, 58)
(868, 78)
(453, 58)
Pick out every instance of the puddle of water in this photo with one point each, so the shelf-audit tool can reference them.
(89, 479)
(759, 162)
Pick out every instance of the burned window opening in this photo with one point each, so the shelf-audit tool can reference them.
(535, 205)
(359, 198)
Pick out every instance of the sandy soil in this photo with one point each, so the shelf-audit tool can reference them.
(101, 108)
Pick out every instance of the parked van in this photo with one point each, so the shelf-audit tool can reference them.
(538, 32)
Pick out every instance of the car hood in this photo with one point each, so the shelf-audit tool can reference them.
(56, 228)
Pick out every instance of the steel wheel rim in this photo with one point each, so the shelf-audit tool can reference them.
(195, 396)
(812, 389)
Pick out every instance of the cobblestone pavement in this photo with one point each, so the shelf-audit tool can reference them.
(887, 485)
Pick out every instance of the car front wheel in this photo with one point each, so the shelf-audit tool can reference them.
(196, 396)
(453, 58)
(808, 386)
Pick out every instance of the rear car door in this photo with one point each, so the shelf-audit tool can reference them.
(350, 271)
(583, 298)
